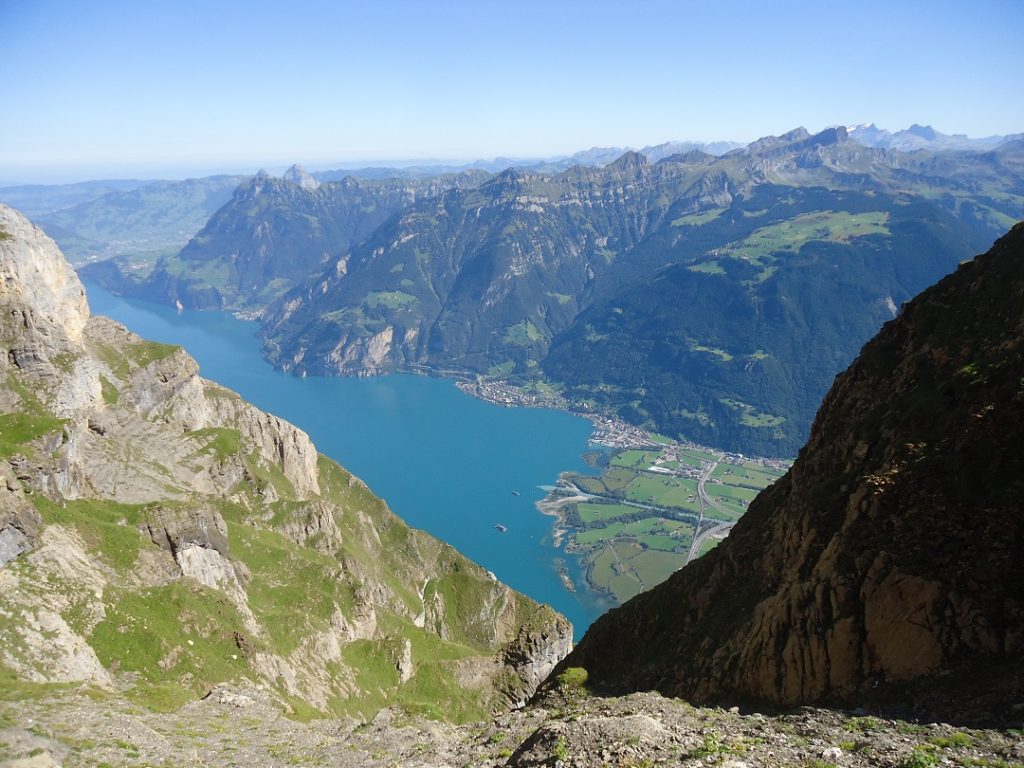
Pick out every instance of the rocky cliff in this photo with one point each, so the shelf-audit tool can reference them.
(886, 564)
(160, 536)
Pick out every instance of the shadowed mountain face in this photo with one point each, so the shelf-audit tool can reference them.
(886, 563)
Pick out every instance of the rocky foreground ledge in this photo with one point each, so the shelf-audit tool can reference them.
(241, 727)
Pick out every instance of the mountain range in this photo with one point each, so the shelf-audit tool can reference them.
(924, 137)
(703, 296)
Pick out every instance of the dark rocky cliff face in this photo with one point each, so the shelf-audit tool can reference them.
(886, 564)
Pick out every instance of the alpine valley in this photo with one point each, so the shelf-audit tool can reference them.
(179, 569)
(707, 297)
(160, 536)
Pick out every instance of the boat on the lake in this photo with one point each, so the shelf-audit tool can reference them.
(501, 527)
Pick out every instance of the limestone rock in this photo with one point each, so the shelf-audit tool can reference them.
(33, 273)
(175, 529)
(533, 655)
(19, 523)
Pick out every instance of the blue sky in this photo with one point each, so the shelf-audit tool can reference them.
(104, 89)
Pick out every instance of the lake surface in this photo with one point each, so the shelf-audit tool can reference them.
(444, 461)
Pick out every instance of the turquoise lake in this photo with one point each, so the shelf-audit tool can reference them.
(444, 461)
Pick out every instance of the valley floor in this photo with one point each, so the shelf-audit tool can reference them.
(239, 727)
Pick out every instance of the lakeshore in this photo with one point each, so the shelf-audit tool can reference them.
(658, 504)
(651, 511)
(609, 431)
(444, 462)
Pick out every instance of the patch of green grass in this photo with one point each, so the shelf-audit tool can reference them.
(109, 391)
(711, 267)
(523, 334)
(697, 219)
(123, 360)
(178, 639)
(560, 750)
(789, 235)
(389, 300)
(468, 606)
(865, 724)
(663, 491)
(16, 688)
(433, 690)
(922, 756)
(573, 678)
(721, 354)
(711, 745)
(17, 430)
(107, 528)
(267, 473)
(634, 458)
(502, 370)
(750, 416)
(955, 740)
(219, 441)
(146, 352)
(287, 587)
(590, 512)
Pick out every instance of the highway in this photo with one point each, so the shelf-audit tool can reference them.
(705, 503)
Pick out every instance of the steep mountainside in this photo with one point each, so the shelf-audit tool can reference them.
(685, 294)
(745, 335)
(137, 224)
(272, 234)
(160, 536)
(476, 278)
(887, 561)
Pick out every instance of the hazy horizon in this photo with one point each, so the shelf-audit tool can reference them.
(115, 89)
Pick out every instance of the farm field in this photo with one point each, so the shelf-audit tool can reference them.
(638, 523)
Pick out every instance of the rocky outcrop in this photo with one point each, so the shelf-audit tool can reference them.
(886, 562)
(239, 723)
(35, 280)
(533, 655)
(300, 176)
(19, 525)
(178, 529)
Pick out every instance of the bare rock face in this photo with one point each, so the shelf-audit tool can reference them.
(886, 563)
(34, 274)
(19, 525)
(178, 529)
(533, 655)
